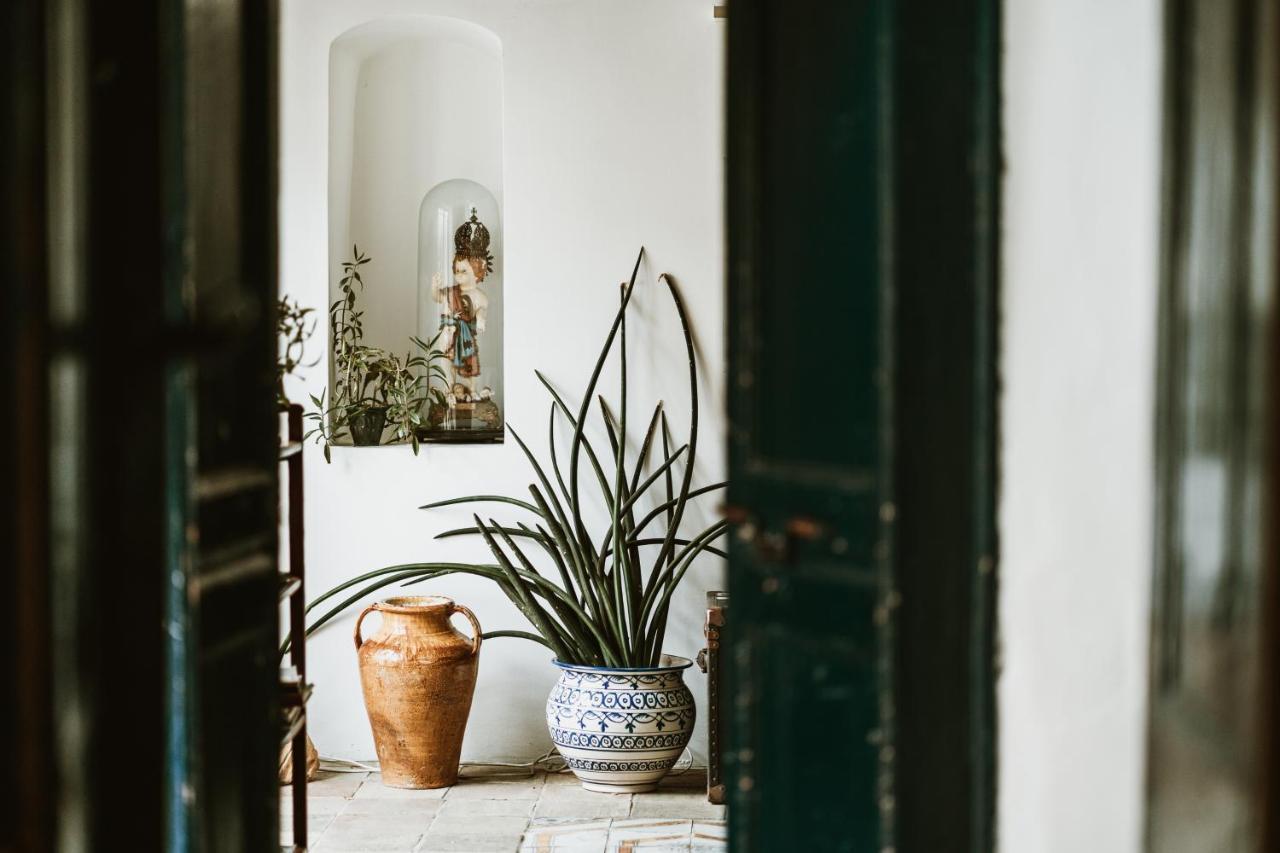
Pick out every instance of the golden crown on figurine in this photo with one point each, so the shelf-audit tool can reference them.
(471, 241)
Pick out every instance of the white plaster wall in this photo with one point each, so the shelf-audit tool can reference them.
(1081, 117)
(612, 137)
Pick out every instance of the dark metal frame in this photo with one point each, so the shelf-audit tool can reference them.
(293, 588)
(709, 662)
(26, 626)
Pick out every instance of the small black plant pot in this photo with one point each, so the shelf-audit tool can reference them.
(366, 427)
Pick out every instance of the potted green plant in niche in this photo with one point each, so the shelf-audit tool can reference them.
(599, 600)
(373, 388)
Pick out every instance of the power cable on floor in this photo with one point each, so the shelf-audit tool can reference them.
(550, 762)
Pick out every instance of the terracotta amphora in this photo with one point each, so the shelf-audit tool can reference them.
(418, 674)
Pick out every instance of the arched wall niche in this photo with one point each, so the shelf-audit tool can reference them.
(414, 102)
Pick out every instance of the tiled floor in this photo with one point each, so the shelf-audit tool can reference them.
(550, 812)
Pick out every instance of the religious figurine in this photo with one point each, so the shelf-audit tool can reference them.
(463, 305)
(463, 308)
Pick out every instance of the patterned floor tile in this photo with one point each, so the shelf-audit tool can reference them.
(648, 833)
(710, 835)
(562, 836)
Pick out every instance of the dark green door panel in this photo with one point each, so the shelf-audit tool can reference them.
(228, 295)
(805, 151)
(819, 688)
(161, 453)
(862, 212)
(818, 180)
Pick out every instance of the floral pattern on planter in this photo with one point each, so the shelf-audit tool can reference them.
(621, 730)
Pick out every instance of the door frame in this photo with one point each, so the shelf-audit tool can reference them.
(945, 275)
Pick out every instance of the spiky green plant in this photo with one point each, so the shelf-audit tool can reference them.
(601, 602)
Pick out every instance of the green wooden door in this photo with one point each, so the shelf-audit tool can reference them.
(861, 222)
(147, 288)
(223, 429)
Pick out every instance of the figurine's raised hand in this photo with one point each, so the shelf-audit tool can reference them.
(435, 286)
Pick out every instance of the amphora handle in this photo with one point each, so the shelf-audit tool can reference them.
(360, 618)
(475, 625)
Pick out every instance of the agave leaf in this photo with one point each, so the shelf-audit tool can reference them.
(471, 531)
(587, 582)
(545, 588)
(567, 545)
(667, 505)
(663, 564)
(570, 534)
(544, 539)
(626, 560)
(569, 495)
(559, 403)
(537, 584)
(540, 619)
(649, 481)
(681, 564)
(524, 635)
(610, 424)
(645, 446)
(390, 578)
(626, 570)
(542, 476)
(576, 444)
(420, 567)
(612, 430)
(659, 540)
(568, 618)
(483, 499)
(551, 443)
(666, 454)
(658, 625)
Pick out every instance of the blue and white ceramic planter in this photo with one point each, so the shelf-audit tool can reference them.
(621, 730)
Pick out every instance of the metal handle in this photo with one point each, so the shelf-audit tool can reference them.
(776, 546)
(360, 618)
(475, 626)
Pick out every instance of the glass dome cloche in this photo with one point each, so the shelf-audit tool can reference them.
(460, 299)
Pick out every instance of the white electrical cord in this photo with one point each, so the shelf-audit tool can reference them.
(342, 765)
(550, 762)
